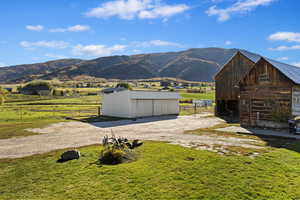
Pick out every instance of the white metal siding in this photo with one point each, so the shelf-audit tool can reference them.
(144, 108)
(165, 107)
(132, 104)
(116, 105)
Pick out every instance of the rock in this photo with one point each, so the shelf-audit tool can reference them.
(136, 144)
(69, 155)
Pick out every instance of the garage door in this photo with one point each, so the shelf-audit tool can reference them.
(144, 108)
(165, 107)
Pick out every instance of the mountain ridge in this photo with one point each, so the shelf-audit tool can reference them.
(196, 64)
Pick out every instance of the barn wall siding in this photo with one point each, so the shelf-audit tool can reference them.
(227, 82)
(228, 79)
(265, 97)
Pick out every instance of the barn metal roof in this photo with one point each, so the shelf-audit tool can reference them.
(292, 72)
(252, 56)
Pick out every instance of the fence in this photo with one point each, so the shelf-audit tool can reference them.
(8, 113)
(195, 109)
(36, 112)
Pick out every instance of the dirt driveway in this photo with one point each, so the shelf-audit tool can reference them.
(76, 134)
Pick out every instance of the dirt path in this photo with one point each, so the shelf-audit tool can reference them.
(76, 134)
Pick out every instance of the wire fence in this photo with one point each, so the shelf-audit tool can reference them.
(195, 109)
(32, 112)
(8, 113)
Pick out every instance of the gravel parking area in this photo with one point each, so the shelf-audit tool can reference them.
(76, 134)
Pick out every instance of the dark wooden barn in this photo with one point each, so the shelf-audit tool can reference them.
(227, 82)
(270, 94)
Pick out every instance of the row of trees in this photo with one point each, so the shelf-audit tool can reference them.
(3, 93)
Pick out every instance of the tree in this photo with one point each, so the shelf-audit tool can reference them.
(124, 85)
(2, 95)
(38, 84)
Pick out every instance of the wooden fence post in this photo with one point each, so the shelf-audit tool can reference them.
(99, 111)
(21, 116)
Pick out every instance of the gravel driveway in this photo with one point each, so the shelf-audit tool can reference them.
(75, 134)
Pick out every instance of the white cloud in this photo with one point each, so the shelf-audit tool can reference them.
(283, 58)
(97, 50)
(131, 9)
(228, 42)
(47, 44)
(157, 43)
(163, 11)
(240, 7)
(296, 64)
(2, 64)
(285, 36)
(285, 48)
(76, 28)
(34, 28)
(55, 56)
(136, 51)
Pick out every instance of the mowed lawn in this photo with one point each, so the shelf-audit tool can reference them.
(208, 95)
(163, 171)
(27, 111)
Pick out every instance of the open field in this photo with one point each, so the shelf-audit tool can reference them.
(163, 171)
(30, 111)
(208, 95)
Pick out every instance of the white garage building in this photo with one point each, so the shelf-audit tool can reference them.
(134, 104)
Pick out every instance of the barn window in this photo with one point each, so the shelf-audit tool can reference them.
(244, 102)
(264, 76)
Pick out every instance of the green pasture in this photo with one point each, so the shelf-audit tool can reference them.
(163, 171)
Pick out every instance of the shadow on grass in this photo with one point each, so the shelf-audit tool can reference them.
(281, 141)
(230, 119)
(275, 138)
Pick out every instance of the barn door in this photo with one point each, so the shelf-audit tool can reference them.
(245, 111)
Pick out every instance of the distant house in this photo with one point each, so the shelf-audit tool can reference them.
(165, 83)
(9, 89)
(270, 94)
(184, 84)
(227, 82)
(36, 89)
(123, 103)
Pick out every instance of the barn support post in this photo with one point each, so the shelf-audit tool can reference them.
(99, 111)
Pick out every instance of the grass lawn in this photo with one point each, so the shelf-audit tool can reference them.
(191, 110)
(163, 171)
(209, 95)
(28, 111)
(17, 129)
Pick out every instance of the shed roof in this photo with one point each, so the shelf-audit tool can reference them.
(145, 94)
(112, 90)
(140, 94)
(292, 72)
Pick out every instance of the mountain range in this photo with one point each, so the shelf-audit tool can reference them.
(197, 64)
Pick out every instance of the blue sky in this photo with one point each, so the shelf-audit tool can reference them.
(41, 30)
